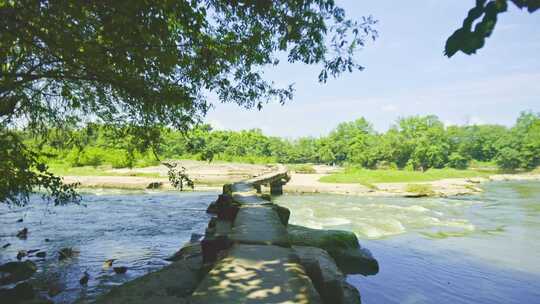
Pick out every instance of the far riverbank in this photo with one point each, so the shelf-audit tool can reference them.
(211, 177)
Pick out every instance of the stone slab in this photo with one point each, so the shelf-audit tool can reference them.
(259, 225)
(256, 274)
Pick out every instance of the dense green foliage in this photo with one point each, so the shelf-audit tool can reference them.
(480, 23)
(143, 65)
(414, 143)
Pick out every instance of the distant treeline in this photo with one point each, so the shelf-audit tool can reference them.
(415, 143)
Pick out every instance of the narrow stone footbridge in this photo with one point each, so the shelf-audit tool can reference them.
(253, 257)
(258, 265)
(250, 254)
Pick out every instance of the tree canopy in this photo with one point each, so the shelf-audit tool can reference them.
(143, 64)
(412, 143)
(480, 23)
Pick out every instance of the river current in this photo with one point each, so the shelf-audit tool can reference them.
(481, 248)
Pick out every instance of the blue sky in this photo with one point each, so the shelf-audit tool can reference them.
(407, 74)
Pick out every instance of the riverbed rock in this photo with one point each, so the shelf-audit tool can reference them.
(283, 213)
(23, 234)
(84, 279)
(172, 284)
(21, 254)
(16, 271)
(154, 185)
(66, 253)
(189, 250)
(18, 294)
(342, 246)
(55, 287)
(120, 269)
(351, 295)
(196, 237)
(211, 246)
(222, 201)
(323, 272)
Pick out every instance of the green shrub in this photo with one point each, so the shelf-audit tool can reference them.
(420, 189)
(119, 159)
(72, 158)
(457, 161)
(92, 156)
(386, 165)
(508, 159)
(303, 169)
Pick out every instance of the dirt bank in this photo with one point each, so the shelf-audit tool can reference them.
(207, 176)
(309, 183)
(211, 176)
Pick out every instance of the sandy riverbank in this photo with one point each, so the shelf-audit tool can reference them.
(211, 177)
(207, 176)
(309, 183)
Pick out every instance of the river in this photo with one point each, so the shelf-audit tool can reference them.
(482, 248)
(139, 229)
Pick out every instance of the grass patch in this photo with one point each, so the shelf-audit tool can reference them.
(302, 168)
(483, 165)
(420, 189)
(366, 176)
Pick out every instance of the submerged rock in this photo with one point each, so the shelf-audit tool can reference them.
(120, 269)
(66, 253)
(55, 288)
(18, 294)
(21, 254)
(17, 271)
(351, 295)
(154, 185)
(342, 246)
(84, 279)
(23, 234)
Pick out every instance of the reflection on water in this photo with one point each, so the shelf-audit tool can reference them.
(138, 229)
(475, 249)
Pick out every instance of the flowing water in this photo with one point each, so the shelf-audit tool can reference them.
(139, 229)
(473, 249)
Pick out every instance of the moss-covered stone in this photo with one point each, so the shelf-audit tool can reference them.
(171, 284)
(343, 246)
(283, 213)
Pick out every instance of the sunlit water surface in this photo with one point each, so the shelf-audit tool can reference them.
(139, 229)
(471, 249)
